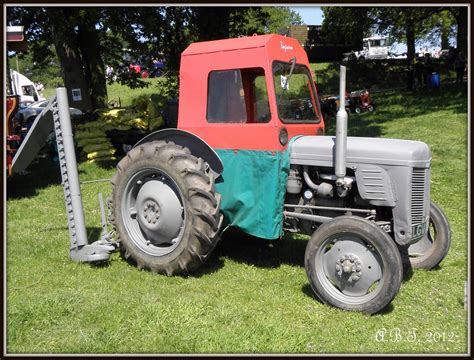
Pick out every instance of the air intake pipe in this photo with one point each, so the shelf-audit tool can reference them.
(341, 132)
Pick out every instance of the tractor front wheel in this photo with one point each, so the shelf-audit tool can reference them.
(164, 208)
(354, 265)
(434, 246)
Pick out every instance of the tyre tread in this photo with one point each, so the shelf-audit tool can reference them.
(199, 194)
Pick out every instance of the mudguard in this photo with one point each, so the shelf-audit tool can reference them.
(196, 145)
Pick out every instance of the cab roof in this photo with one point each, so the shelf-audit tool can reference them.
(246, 42)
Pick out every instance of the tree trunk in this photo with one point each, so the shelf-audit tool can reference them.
(444, 39)
(445, 31)
(94, 66)
(70, 58)
(461, 36)
(410, 33)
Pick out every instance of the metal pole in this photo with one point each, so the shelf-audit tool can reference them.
(341, 130)
(316, 218)
(72, 177)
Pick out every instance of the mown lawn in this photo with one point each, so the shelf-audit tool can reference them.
(252, 296)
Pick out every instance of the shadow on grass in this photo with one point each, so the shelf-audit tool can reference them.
(93, 233)
(109, 164)
(246, 249)
(243, 248)
(372, 73)
(42, 173)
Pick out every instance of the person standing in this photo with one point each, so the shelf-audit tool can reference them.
(428, 68)
(418, 73)
(460, 65)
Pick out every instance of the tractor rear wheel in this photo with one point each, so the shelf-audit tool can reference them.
(354, 265)
(164, 208)
(434, 246)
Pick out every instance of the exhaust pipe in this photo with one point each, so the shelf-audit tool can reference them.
(341, 131)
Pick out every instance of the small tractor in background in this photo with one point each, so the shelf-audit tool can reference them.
(250, 152)
(360, 101)
(356, 102)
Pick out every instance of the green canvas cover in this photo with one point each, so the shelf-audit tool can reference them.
(253, 187)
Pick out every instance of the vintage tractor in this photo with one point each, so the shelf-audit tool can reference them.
(249, 152)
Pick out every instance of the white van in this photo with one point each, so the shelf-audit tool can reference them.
(374, 47)
(24, 87)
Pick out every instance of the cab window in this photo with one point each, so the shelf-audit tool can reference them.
(237, 96)
(294, 93)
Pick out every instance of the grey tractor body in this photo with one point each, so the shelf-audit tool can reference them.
(387, 173)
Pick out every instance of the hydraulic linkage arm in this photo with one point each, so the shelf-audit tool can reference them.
(80, 250)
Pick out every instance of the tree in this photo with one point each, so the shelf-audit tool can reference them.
(47, 71)
(280, 17)
(460, 15)
(223, 22)
(74, 35)
(406, 24)
(94, 71)
(443, 26)
(67, 49)
(215, 23)
(346, 25)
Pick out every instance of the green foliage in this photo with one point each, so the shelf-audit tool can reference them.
(141, 102)
(164, 87)
(47, 72)
(346, 25)
(169, 85)
(280, 17)
(393, 20)
(442, 27)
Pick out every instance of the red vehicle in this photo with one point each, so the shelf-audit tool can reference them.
(144, 74)
(360, 101)
(211, 66)
(15, 42)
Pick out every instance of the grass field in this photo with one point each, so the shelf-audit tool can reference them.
(252, 296)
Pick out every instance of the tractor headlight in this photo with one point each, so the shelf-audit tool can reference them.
(283, 136)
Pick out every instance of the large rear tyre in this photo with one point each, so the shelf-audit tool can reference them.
(164, 208)
(434, 246)
(353, 265)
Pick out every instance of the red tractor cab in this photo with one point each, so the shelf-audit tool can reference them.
(227, 83)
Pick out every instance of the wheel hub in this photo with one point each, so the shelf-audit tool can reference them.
(363, 266)
(151, 211)
(349, 266)
(159, 212)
